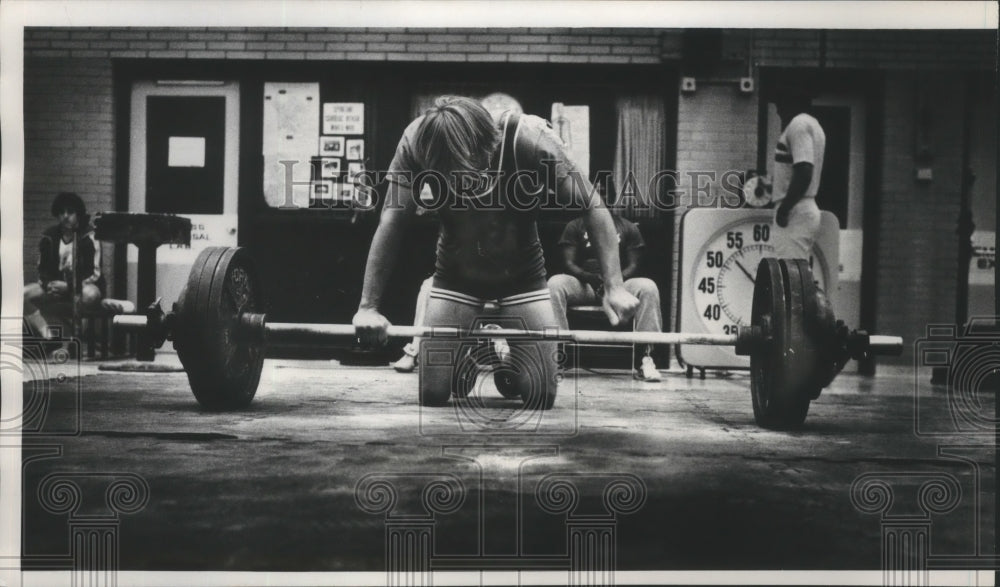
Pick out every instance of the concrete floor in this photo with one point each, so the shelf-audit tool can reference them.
(677, 470)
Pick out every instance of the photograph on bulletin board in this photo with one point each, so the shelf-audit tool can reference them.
(321, 194)
(354, 169)
(355, 149)
(331, 146)
(330, 167)
(345, 192)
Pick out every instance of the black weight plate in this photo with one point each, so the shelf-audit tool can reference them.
(181, 336)
(223, 368)
(767, 356)
(800, 354)
(817, 319)
(189, 331)
(236, 293)
(187, 338)
(776, 363)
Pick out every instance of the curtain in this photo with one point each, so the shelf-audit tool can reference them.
(639, 153)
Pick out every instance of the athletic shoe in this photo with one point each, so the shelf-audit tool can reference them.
(408, 362)
(647, 370)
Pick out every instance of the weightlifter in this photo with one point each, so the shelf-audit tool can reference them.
(495, 176)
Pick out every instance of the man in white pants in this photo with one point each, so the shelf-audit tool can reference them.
(798, 165)
(583, 284)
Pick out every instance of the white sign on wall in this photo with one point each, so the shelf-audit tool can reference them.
(186, 152)
(343, 118)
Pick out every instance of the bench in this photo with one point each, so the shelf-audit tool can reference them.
(98, 324)
(593, 318)
(91, 327)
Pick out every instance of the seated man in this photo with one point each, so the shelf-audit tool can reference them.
(583, 285)
(59, 279)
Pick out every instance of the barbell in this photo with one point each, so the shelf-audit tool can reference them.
(795, 344)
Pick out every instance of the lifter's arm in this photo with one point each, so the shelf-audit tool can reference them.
(571, 186)
(601, 227)
(399, 208)
(618, 303)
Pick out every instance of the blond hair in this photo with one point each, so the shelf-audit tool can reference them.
(456, 134)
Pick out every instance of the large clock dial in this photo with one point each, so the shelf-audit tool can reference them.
(724, 272)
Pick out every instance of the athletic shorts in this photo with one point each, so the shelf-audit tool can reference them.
(513, 293)
(535, 295)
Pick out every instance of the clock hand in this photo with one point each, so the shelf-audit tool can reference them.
(744, 270)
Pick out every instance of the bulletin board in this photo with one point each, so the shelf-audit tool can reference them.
(291, 128)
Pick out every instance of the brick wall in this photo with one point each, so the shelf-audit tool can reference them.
(68, 140)
(553, 45)
(918, 252)
(786, 48)
(716, 133)
(876, 49)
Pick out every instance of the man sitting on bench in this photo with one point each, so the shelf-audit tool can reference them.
(60, 279)
(583, 285)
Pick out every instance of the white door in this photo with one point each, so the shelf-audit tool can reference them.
(184, 160)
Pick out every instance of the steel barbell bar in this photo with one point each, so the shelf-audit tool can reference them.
(795, 344)
(296, 332)
(299, 332)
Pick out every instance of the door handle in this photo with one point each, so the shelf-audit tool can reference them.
(232, 231)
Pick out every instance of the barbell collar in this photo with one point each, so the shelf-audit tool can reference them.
(130, 322)
(882, 345)
(750, 337)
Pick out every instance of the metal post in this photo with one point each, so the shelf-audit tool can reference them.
(146, 294)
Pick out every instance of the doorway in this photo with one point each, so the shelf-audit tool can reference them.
(184, 160)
